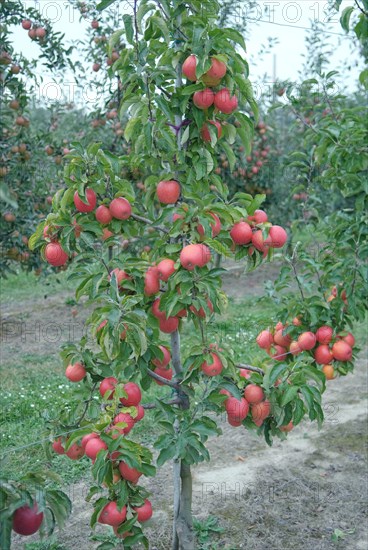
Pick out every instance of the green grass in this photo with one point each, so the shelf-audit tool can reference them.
(25, 286)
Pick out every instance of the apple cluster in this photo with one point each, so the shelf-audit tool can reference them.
(131, 412)
(222, 100)
(34, 31)
(253, 402)
(325, 346)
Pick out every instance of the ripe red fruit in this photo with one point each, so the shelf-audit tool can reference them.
(162, 363)
(26, 24)
(203, 99)
(205, 133)
(151, 281)
(216, 227)
(214, 368)
(144, 512)
(324, 335)
(201, 312)
(194, 255)
(96, 67)
(168, 191)
(260, 216)
(282, 340)
(76, 372)
(95, 24)
(130, 474)
(26, 520)
(40, 32)
(85, 206)
(278, 352)
(323, 355)
(224, 103)
(156, 310)
(342, 351)
(140, 413)
(169, 324)
(103, 214)
(32, 33)
(75, 452)
(164, 373)
(254, 394)
(127, 419)
(120, 275)
(165, 269)
(87, 438)
(244, 373)
(259, 242)
(287, 428)
(295, 348)
(237, 409)
(260, 411)
(234, 423)
(108, 384)
(241, 233)
(134, 395)
(265, 339)
(189, 68)
(112, 515)
(349, 339)
(120, 208)
(307, 341)
(94, 446)
(278, 236)
(55, 255)
(58, 447)
(106, 234)
(297, 323)
(215, 73)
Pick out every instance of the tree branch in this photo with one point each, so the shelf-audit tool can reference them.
(149, 222)
(159, 378)
(175, 401)
(360, 8)
(249, 367)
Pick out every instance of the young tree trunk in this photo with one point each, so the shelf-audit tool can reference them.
(183, 537)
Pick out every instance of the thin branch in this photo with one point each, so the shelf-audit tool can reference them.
(360, 8)
(159, 378)
(249, 367)
(136, 28)
(292, 263)
(86, 405)
(105, 264)
(149, 222)
(176, 401)
(164, 91)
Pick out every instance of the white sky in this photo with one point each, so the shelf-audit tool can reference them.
(277, 19)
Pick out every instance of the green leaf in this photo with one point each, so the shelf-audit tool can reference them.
(143, 9)
(345, 18)
(104, 4)
(5, 533)
(276, 371)
(166, 454)
(128, 24)
(230, 154)
(158, 22)
(289, 395)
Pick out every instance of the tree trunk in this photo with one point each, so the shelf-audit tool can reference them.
(183, 538)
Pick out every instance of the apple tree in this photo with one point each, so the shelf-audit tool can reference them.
(182, 78)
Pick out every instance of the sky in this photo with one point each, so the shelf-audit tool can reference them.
(284, 21)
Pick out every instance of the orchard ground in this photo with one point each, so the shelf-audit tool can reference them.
(308, 492)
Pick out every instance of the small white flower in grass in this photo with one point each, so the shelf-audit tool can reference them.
(32, 405)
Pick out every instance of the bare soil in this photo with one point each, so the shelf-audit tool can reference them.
(293, 496)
